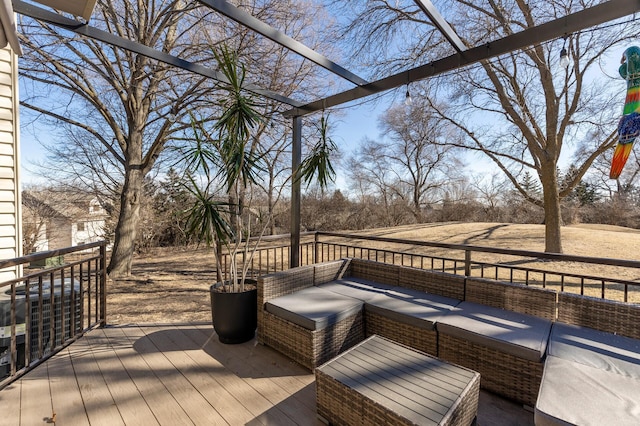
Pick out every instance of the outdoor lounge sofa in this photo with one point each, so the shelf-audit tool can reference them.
(575, 358)
(315, 312)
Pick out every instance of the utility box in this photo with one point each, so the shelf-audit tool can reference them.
(60, 315)
(5, 329)
(52, 320)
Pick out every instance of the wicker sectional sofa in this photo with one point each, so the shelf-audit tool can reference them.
(515, 336)
(312, 313)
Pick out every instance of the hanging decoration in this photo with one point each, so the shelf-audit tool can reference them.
(629, 125)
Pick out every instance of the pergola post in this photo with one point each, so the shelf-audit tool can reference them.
(296, 159)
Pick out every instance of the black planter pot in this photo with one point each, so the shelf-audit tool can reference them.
(235, 315)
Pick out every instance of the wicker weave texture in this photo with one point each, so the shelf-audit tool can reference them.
(513, 297)
(285, 282)
(502, 373)
(466, 411)
(341, 404)
(605, 315)
(434, 282)
(408, 335)
(279, 284)
(330, 271)
(382, 273)
(310, 348)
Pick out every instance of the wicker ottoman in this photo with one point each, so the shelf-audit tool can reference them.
(381, 382)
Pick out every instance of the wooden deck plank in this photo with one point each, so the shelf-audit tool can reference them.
(192, 402)
(249, 362)
(260, 408)
(10, 397)
(35, 411)
(258, 355)
(65, 394)
(99, 404)
(259, 385)
(165, 408)
(128, 399)
(202, 377)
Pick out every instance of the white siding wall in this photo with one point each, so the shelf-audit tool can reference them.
(10, 203)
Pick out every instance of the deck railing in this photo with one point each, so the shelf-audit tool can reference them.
(45, 318)
(549, 270)
(50, 305)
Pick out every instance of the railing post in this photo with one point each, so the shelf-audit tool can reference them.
(103, 284)
(316, 243)
(467, 263)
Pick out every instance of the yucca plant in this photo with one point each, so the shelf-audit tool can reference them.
(221, 164)
(224, 160)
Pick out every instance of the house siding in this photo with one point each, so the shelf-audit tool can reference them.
(10, 202)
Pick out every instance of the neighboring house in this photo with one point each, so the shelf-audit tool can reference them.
(54, 220)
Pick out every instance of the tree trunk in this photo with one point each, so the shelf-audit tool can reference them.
(552, 212)
(126, 229)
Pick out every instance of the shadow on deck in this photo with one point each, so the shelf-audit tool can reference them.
(177, 374)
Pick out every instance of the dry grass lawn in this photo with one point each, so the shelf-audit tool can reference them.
(171, 285)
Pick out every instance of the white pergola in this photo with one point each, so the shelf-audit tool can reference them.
(462, 56)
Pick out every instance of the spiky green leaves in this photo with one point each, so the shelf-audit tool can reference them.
(240, 116)
(317, 165)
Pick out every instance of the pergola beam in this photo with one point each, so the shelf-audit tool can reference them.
(132, 46)
(604, 12)
(296, 160)
(434, 15)
(254, 24)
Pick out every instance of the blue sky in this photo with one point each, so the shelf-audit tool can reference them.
(350, 124)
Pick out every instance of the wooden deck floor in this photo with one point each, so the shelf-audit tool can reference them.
(176, 374)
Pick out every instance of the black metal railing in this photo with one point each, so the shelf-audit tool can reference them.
(271, 255)
(548, 270)
(49, 305)
(46, 309)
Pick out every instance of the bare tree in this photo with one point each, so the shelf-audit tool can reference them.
(490, 192)
(370, 177)
(34, 223)
(411, 162)
(118, 109)
(521, 110)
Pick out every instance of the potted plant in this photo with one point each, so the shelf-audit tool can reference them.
(222, 167)
(221, 170)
